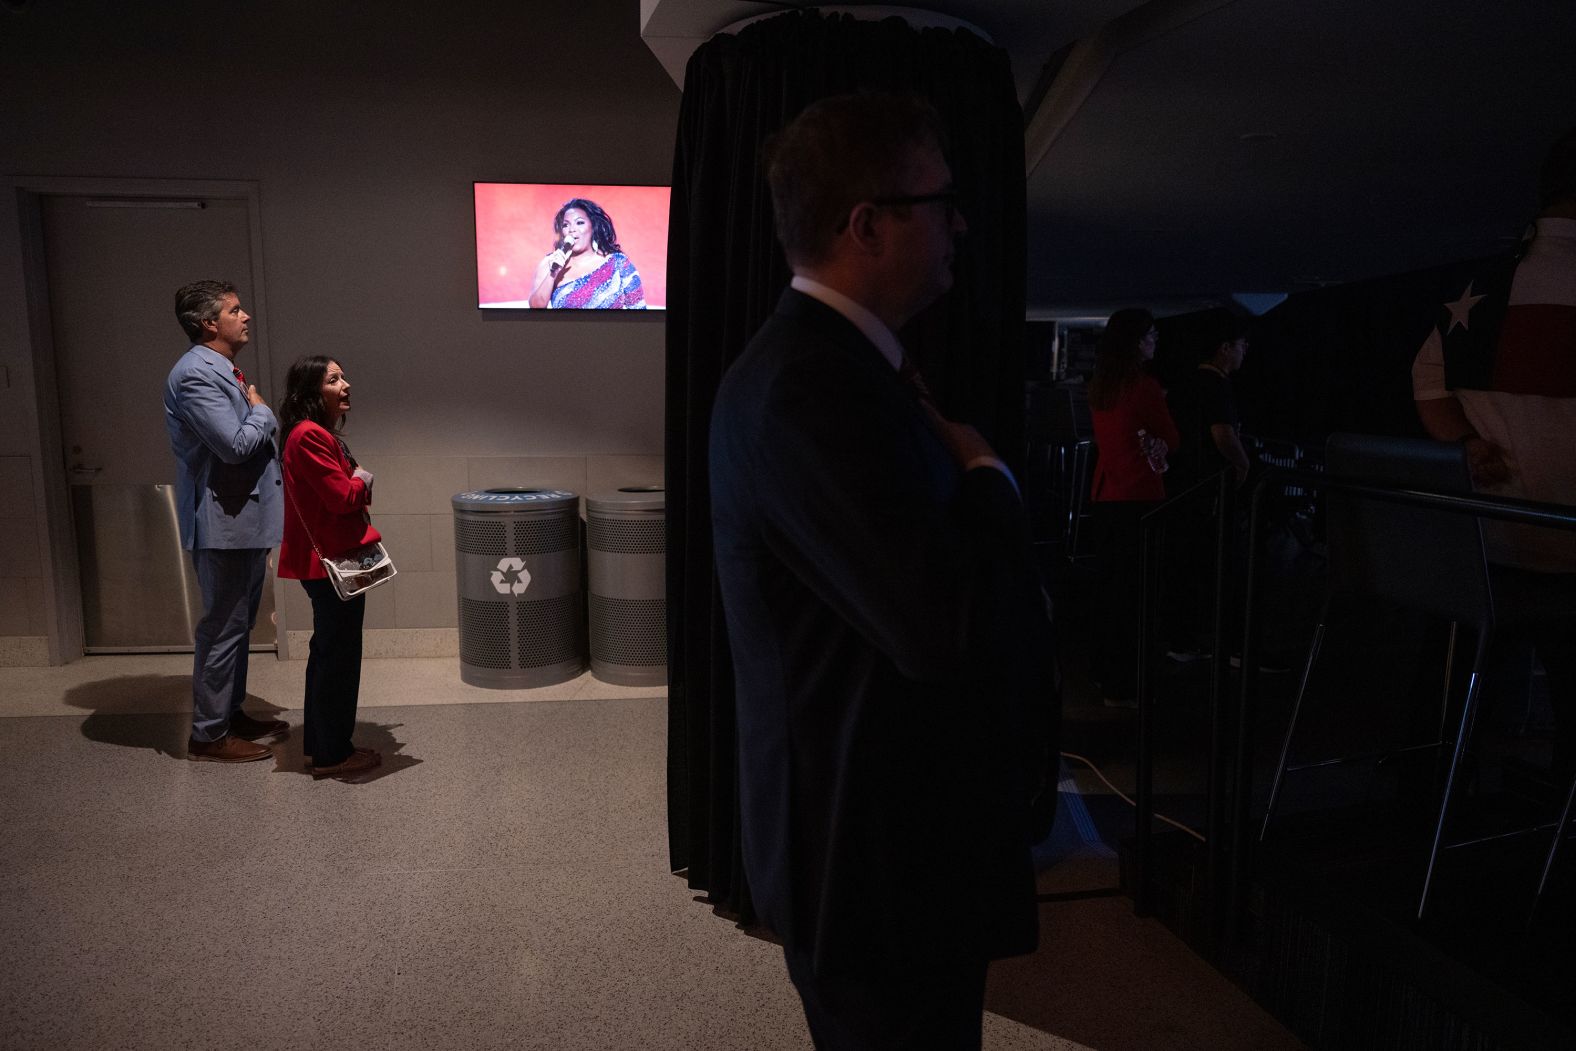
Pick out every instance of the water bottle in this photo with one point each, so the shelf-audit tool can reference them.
(1154, 450)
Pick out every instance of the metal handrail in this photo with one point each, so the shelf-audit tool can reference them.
(1228, 852)
(1221, 487)
(1185, 496)
(1509, 509)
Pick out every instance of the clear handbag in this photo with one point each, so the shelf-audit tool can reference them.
(359, 571)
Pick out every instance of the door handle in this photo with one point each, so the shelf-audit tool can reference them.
(85, 471)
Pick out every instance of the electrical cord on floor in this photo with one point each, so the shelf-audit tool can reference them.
(1124, 798)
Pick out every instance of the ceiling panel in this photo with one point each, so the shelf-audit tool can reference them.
(1269, 145)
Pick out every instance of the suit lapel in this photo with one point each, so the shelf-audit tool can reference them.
(897, 402)
(861, 353)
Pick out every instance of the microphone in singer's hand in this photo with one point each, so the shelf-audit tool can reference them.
(564, 245)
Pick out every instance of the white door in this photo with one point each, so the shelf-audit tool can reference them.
(113, 266)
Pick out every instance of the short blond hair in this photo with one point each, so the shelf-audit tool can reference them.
(839, 151)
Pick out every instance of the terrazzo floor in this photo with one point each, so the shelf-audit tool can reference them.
(501, 882)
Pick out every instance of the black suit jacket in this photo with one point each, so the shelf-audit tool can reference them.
(891, 652)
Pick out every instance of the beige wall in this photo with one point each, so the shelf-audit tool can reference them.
(361, 126)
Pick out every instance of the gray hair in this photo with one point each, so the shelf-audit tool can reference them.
(199, 302)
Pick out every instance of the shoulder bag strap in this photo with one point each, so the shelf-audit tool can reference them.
(302, 520)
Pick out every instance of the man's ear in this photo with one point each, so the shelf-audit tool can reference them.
(864, 228)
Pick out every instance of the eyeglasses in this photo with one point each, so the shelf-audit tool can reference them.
(947, 198)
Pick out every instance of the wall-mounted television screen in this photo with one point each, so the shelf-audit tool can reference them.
(557, 246)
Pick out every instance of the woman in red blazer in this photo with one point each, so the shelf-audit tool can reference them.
(1133, 431)
(326, 499)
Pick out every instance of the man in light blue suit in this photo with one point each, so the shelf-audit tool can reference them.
(231, 510)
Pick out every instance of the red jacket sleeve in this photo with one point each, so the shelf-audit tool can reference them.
(1155, 416)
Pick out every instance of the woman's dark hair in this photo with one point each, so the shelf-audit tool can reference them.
(303, 398)
(1117, 359)
(603, 239)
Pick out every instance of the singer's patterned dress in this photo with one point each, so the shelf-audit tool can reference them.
(615, 285)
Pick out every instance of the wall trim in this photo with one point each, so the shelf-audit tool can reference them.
(24, 651)
(381, 643)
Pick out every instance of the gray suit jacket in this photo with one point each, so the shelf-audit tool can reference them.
(228, 493)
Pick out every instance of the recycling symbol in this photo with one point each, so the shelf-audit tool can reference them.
(511, 576)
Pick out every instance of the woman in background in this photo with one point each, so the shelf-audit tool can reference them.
(326, 495)
(1133, 431)
(587, 269)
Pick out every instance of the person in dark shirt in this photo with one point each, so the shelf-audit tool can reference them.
(1205, 411)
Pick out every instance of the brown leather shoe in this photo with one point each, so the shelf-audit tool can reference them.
(227, 749)
(244, 726)
(355, 764)
(353, 751)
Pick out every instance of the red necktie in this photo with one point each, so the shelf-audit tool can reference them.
(909, 373)
(240, 377)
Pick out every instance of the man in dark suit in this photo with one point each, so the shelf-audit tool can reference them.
(885, 625)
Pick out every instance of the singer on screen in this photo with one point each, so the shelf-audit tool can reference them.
(586, 270)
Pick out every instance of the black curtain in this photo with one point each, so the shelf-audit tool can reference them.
(725, 273)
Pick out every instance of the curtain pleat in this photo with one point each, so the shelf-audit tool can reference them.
(725, 274)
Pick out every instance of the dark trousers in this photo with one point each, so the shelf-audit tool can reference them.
(1115, 658)
(1188, 612)
(1554, 642)
(333, 673)
(934, 1006)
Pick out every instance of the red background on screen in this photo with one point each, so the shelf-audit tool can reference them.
(514, 230)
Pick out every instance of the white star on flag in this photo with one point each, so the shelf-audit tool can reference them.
(1460, 309)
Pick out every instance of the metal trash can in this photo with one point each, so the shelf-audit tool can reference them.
(517, 566)
(625, 548)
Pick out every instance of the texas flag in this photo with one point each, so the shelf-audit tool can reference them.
(1505, 348)
(1512, 329)
(1536, 350)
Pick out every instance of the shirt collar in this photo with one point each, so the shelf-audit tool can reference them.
(873, 328)
(213, 357)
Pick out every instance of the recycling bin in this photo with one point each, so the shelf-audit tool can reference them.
(625, 549)
(517, 566)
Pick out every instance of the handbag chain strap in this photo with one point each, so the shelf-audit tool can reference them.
(302, 520)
